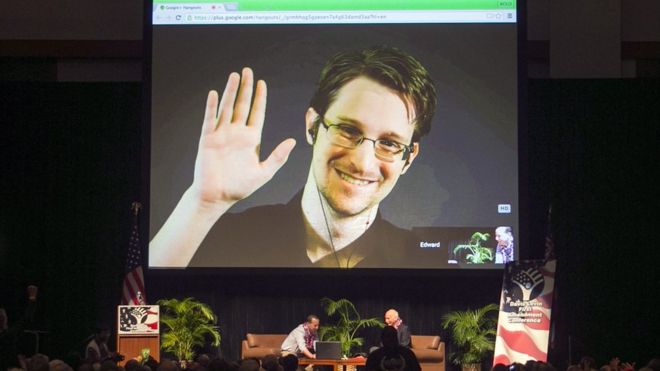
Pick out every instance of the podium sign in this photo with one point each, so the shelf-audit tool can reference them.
(138, 319)
(138, 327)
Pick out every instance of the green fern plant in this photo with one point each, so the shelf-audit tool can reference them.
(473, 332)
(477, 254)
(347, 326)
(187, 322)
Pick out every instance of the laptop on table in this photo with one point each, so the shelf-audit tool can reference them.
(327, 349)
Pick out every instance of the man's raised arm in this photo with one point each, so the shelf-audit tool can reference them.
(227, 169)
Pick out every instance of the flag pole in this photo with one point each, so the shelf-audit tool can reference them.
(135, 207)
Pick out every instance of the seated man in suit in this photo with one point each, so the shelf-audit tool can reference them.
(392, 319)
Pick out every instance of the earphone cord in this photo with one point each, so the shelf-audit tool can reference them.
(327, 227)
(332, 243)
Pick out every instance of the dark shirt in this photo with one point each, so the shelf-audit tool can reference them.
(274, 236)
(378, 359)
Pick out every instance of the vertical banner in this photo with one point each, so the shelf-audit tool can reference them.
(523, 325)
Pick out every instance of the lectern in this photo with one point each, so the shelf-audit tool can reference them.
(138, 327)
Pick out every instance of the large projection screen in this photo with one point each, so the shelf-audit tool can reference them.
(454, 207)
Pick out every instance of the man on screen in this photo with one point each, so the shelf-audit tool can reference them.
(504, 249)
(364, 123)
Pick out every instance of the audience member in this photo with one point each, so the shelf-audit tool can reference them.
(270, 363)
(203, 360)
(289, 362)
(97, 350)
(587, 364)
(38, 362)
(131, 365)
(249, 365)
(392, 356)
(167, 365)
(654, 364)
(59, 365)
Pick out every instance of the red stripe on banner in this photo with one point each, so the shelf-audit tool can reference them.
(520, 342)
(501, 358)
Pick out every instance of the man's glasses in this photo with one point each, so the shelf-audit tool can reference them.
(349, 136)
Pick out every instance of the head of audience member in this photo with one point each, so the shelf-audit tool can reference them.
(391, 317)
(500, 367)
(587, 363)
(218, 364)
(85, 366)
(249, 365)
(167, 365)
(109, 365)
(289, 362)
(654, 364)
(204, 360)
(270, 363)
(393, 362)
(131, 365)
(73, 359)
(389, 337)
(58, 365)
(542, 366)
(517, 367)
(38, 362)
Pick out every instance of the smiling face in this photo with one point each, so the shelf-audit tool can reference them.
(391, 316)
(313, 325)
(353, 181)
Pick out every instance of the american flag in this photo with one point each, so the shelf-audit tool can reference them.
(133, 287)
(525, 311)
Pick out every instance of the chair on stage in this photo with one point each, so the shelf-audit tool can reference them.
(260, 345)
(430, 352)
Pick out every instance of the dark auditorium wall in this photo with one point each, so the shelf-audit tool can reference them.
(71, 168)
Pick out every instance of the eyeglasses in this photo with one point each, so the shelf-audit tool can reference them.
(349, 136)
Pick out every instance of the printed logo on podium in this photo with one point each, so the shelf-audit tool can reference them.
(138, 319)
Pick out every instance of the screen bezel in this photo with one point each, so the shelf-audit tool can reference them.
(487, 271)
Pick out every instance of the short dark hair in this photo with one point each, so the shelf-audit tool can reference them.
(312, 317)
(387, 65)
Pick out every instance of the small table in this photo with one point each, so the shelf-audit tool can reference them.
(338, 364)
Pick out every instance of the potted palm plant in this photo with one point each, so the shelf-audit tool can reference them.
(473, 332)
(347, 326)
(187, 322)
(477, 254)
